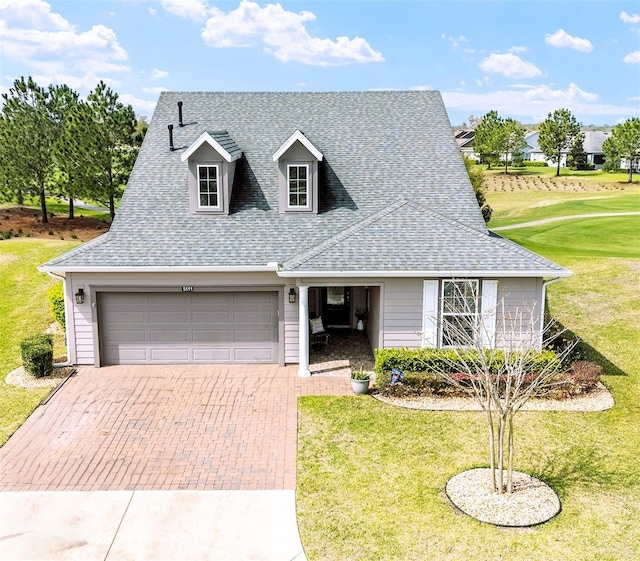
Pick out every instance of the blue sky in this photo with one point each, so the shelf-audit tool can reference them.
(521, 58)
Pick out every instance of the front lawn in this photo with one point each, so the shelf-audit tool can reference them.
(24, 310)
(371, 477)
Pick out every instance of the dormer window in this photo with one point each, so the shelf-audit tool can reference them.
(298, 189)
(211, 163)
(298, 174)
(208, 193)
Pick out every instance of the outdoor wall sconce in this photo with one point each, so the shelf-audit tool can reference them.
(292, 296)
(79, 296)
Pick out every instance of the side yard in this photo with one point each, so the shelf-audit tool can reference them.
(24, 310)
(371, 477)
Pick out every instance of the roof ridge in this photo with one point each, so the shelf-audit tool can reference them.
(308, 254)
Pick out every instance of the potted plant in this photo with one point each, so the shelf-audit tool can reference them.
(361, 315)
(360, 381)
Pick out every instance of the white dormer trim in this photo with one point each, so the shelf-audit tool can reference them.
(300, 137)
(206, 137)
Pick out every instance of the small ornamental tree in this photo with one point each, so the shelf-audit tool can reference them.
(501, 373)
(556, 134)
(624, 142)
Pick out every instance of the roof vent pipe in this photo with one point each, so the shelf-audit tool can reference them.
(171, 147)
(180, 123)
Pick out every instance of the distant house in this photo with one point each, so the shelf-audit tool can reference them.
(593, 141)
(465, 139)
(257, 212)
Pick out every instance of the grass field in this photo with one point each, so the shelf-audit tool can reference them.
(24, 310)
(371, 477)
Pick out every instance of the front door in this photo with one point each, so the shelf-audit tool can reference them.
(336, 306)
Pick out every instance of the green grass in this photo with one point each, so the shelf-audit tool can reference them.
(371, 477)
(60, 207)
(536, 205)
(24, 310)
(595, 176)
(584, 237)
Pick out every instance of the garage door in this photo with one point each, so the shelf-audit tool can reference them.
(202, 327)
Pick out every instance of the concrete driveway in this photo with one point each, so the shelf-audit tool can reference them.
(116, 436)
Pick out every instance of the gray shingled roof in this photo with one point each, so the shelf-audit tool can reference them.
(394, 193)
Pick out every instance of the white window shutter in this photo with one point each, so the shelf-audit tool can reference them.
(489, 304)
(430, 313)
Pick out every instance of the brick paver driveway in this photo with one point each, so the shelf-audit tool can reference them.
(164, 427)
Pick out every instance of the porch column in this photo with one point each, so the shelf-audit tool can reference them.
(303, 331)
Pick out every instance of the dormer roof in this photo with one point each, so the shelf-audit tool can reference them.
(298, 136)
(220, 141)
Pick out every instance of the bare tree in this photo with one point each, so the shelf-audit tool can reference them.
(501, 372)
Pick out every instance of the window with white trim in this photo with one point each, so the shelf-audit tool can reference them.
(208, 186)
(459, 312)
(298, 186)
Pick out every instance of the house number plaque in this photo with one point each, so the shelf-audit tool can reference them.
(187, 289)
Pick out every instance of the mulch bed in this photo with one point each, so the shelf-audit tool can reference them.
(27, 222)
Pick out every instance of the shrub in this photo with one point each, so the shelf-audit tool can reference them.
(422, 368)
(532, 164)
(37, 355)
(414, 384)
(582, 377)
(445, 360)
(56, 303)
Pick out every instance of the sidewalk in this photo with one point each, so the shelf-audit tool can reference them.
(149, 526)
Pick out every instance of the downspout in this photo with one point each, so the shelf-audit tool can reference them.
(64, 292)
(543, 305)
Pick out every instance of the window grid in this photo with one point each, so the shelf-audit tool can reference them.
(298, 175)
(459, 312)
(208, 195)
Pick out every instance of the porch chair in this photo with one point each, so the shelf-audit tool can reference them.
(318, 335)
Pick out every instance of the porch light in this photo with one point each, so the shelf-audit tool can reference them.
(292, 296)
(79, 296)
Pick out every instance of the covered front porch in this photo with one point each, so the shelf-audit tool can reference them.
(346, 350)
(350, 318)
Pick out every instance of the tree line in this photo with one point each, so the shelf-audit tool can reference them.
(52, 142)
(499, 139)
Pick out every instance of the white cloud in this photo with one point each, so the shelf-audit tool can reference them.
(158, 74)
(562, 39)
(191, 9)
(629, 18)
(518, 49)
(54, 50)
(422, 88)
(142, 107)
(455, 41)
(32, 13)
(533, 103)
(632, 58)
(510, 65)
(284, 35)
(157, 90)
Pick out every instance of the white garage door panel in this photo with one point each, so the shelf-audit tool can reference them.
(139, 328)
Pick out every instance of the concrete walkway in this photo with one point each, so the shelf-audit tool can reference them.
(149, 526)
(569, 217)
(159, 462)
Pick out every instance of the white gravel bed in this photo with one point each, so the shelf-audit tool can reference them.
(597, 400)
(20, 377)
(532, 501)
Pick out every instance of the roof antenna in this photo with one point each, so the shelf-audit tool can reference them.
(171, 147)
(180, 123)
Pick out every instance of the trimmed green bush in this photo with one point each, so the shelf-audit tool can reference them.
(532, 164)
(37, 355)
(56, 303)
(444, 360)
